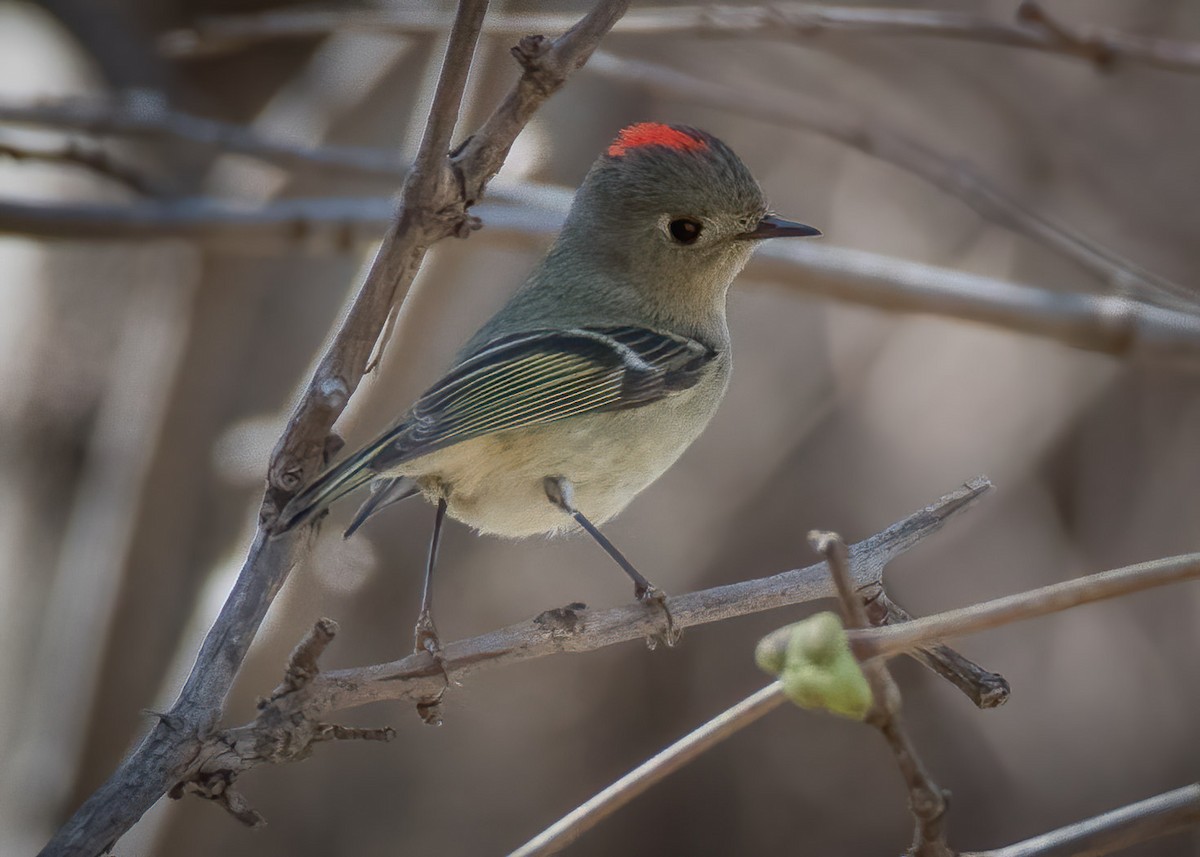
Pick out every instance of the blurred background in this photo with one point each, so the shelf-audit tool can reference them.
(147, 373)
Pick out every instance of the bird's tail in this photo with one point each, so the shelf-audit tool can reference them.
(333, 484)
(384, 492)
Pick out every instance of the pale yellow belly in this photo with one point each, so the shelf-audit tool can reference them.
(495, 483)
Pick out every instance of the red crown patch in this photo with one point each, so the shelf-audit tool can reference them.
(654, 134)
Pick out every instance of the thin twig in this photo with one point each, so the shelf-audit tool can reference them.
(1032, 30)
(1112, 831)
(985, 688)
(893, 640)
(594, 810)
(953, 175)
(1122, 327)
(89, 157)
(139, 116)
(926, 800)
(168, 750)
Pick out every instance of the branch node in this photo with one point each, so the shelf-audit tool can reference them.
(302, 665)
(530, 51)
(336, 732)
(334, 392)
(218, 787)
(466, 225)
(562, 622)
(430, 709)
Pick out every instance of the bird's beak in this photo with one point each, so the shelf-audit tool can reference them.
(776, 227)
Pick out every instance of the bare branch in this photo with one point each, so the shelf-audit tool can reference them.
(984, 688)
(151, 118)
(1112, 831)
(89, 157)
(950, 174)
(292, 720)
(1106, 324)
(567, 829)
(926, 800)
(433, 207)
(893, 640)
(590, 813)
(1033, 29)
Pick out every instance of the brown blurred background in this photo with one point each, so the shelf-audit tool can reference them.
(146, 380)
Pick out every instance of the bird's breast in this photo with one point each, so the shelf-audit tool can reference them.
(495, 483)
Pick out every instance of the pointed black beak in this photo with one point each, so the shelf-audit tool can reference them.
(776, 227)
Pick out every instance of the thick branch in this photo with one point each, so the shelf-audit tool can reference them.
(433, 208)
(1032, 29)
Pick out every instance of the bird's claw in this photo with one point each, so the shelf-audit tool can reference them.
(425, 639)
(651, 595)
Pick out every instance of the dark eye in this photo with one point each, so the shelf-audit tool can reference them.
(684, 231)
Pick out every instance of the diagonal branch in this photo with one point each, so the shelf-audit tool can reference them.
(89, 157)
(892, 640)
(434, 207)
(153, 119)
(1033, 29)
(293, 718)
(1112, 831)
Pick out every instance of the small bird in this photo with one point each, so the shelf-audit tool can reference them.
(598, 372)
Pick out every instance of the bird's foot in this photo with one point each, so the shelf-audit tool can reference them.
(652, 596)
(425, 637)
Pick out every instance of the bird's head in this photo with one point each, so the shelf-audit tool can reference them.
(672, 211)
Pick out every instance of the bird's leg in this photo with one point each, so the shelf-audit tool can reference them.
(425, 634)
(562, 494)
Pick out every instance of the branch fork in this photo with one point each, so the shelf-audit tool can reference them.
(284, 730)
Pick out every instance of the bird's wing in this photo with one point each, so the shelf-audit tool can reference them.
(542, 376)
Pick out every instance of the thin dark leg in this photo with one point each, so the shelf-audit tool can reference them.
(561, 494)
(641, 585)
(426, 634)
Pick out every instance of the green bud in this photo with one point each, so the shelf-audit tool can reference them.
(813, 662)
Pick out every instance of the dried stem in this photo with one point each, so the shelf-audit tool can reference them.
(152, 118)
(590, 813)
(1033, 29)
(1112, 831)
(434, 207)
(898, 639)
(89, 157)
(926, 800)
(984, 688)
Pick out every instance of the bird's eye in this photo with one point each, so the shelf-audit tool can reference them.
(684, 231)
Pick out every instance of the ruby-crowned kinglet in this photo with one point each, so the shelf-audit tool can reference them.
(598, 372)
